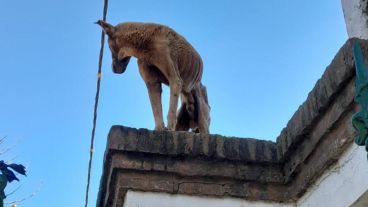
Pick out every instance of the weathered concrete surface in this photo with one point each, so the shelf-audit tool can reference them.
(337, 75)
(186, 144)
(345, 182)
(314, 139)
(356, 18)
(189, 163)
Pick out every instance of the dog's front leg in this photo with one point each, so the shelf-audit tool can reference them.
(170, 71)
(175, 89)
(154, 92)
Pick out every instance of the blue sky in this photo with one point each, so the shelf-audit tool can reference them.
(261, 58)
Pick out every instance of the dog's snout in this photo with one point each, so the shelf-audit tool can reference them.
(119, 66)
(116, 68)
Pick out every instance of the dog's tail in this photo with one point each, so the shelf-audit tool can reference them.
(194, 112)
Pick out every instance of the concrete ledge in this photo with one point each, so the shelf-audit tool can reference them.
(213, 165)
(191, 145)
(189, 163)
(337, 75)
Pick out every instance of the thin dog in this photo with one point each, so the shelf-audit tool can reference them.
(164, 57)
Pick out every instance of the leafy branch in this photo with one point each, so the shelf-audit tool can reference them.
(7, 176)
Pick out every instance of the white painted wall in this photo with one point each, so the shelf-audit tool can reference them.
(146, 199)
(343, 184)
(340, 186)
(356, 20)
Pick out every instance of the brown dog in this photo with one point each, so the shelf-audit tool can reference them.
(165, 57)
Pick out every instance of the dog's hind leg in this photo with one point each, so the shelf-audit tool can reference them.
(204, 118)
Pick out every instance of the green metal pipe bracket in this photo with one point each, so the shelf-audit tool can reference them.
(360, 119)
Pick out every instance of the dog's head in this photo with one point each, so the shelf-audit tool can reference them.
(119, 60)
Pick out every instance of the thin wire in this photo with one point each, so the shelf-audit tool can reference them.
(99, 73)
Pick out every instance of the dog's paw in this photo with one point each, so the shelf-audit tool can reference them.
(160, 128)
(171, 126)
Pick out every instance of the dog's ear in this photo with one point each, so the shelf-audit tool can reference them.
(108, 28)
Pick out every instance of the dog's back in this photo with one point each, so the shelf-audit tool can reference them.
(145, 36)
